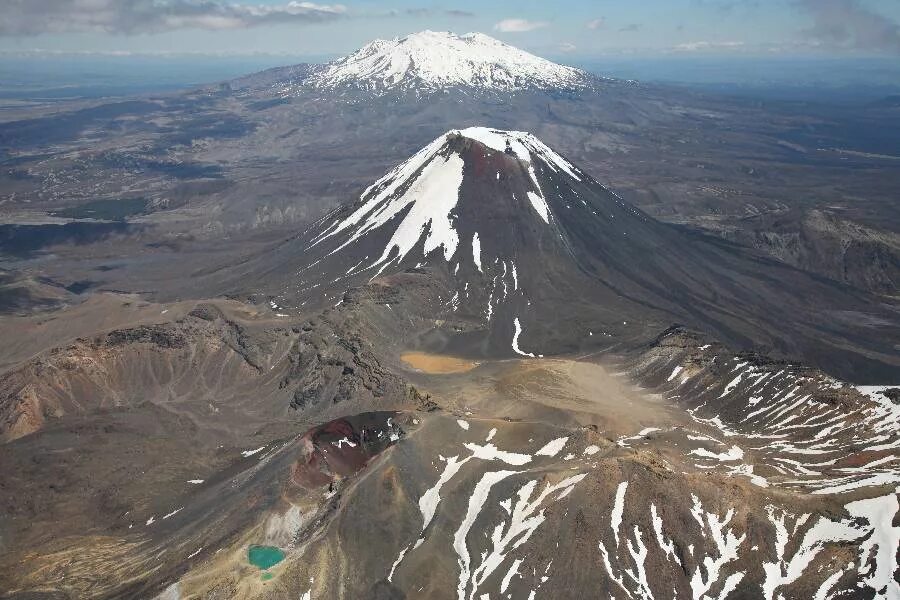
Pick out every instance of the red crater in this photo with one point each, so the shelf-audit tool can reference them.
(344, 447)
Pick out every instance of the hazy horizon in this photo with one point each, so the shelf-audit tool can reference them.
(65, 76)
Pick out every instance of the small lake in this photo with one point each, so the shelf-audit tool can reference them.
(264, 557)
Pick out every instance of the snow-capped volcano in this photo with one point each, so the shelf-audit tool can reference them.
(431, 60)
(478, 205)
(501, 219)
(525, 253)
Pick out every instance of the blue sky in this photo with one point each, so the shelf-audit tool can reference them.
(577, 28)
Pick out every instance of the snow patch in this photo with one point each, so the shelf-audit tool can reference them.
(515, 340)
(553, 447)
(540, 206)
(615, 517)
(476, 251)
(491, 452)
(429, 501)
(733, 453)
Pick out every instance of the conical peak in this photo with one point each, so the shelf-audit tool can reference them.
(436, 199)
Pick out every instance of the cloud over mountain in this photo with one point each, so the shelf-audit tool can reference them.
(32, 17)
(848, 23)
(518, 25)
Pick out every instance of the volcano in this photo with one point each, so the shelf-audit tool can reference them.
(431, 61)
(533, 256)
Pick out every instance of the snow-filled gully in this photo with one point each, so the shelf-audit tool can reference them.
(524, 510)
(797, 541)
(506, 504)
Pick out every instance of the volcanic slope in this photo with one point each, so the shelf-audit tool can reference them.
(529, 255)
(158, 460)
(530, 478)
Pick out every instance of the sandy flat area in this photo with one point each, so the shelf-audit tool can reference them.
(435, 364)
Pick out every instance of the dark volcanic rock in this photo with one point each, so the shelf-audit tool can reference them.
(530, 255)
(161, 336)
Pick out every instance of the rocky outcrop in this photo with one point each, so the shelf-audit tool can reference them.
(824, 243)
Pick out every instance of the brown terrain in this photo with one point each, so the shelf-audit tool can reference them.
(676, 384)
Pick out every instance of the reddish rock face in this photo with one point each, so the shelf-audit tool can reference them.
(343, 447)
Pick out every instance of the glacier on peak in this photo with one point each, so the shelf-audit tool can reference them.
(440, 60)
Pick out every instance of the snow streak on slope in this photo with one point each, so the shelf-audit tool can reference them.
(476, 252)
(515, 341)
(431, 60)
(524, 513)
(798, 542)
(699, 547)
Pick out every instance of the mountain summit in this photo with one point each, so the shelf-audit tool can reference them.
(431, 60)
(425, 196)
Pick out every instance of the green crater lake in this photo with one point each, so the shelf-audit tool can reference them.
(264, 557)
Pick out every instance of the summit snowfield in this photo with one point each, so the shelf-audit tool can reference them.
(429, 183)
(430, 61)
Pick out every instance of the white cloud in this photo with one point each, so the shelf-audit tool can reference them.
(596, 23)
(704, 45)
(128, 17)
(518, 25)
(567, 47)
